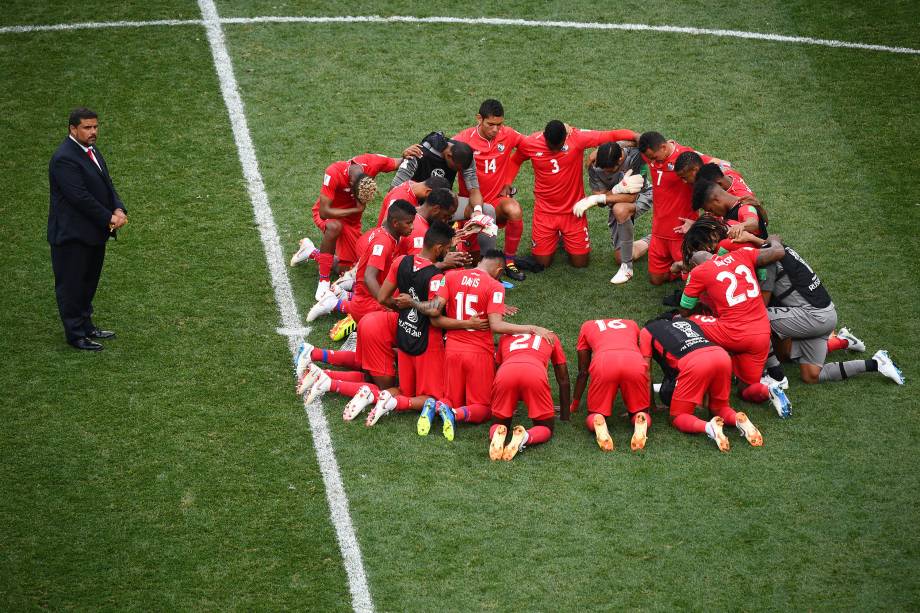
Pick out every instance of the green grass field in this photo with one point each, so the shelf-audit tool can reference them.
(176, 469)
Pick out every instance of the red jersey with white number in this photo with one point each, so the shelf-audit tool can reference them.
(529, 349)
(730, 281)
(558, 179)
(400, 192)
(600, 335)
(738, 188)
(412, 244)
(491, 157)
(379, 253)
(337, 186)
(671, 197)
(468, 294)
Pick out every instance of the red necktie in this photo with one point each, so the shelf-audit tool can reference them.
(93, 158)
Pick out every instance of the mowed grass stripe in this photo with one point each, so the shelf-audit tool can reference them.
(564, 525)
(174, 469)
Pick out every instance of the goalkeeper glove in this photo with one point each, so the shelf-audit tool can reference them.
(630, 184)
(586, 203)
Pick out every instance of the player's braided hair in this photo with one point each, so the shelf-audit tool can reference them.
(703, 235)
(365, 189)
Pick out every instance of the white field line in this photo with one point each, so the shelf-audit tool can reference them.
(287, 307)
(487, 21)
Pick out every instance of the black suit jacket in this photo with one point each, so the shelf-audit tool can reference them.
(83, 198)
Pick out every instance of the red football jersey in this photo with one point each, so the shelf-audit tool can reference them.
(739, 188)
(671, 197)
(730, 281)
(402, 191)
(609, 335)
(492, 157)
(471, 293)
(412, 244)
(337, 186)
(558, 179)
(379, 252)
(529, 349)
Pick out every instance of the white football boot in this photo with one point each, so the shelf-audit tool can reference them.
(304, 252)
(362, 399)
(623, 275)
(887, 367)
(324, 305)
(854, 343)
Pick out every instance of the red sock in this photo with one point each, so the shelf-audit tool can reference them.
(350, 388)
(474, 413)
(513, 232)
(492, 430)
(348, 359)
(324, 262)
(689, 423)
(648, 417)
(756, 393)
(538, 434)
(345, 375)
(403, 403)
(726, 413)
(836, 344)
(589, 421)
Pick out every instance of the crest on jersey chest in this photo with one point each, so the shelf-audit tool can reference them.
(565, 148)
(501, 147)
(670, 166)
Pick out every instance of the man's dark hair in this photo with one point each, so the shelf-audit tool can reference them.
(79, 114)
(708, 172)
(651, 140)
(462, 154)
(702, 191)
(436, 182)
(608, 155)
(555, 134)
(400, 208)
(491, 108)
(441, 197)
(438, 233)
(703, 235)
(688, 160)
(494, 254)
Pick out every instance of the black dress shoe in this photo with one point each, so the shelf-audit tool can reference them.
(97, 333)
(86, 344)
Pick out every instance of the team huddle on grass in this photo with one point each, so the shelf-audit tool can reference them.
(423, 287)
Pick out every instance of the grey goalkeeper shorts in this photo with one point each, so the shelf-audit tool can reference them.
(809, 329)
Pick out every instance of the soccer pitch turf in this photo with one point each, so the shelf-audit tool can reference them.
(176, 469)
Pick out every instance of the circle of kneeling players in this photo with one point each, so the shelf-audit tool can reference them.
(423, 288)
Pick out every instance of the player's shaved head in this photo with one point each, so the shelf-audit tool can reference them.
(461, 155)
(493, 262)
(703, 235)
(608, 155)
(686, 160)
(555, 134)
(704, 192)
(434, 182)
(491, 108)
(438, 233)
(699, 257)
(708, 172)
(649, 141)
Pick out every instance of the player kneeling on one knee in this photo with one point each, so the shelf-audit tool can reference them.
(608, 352)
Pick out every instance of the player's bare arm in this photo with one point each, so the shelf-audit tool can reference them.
(773, 251)
(449, 323)
(430, 308)
(385, 294)
(562, 381)
(326, 211)
(500, 326)
(581, 382)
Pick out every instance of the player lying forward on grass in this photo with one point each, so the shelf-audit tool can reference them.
(741, 325)
(694, 368)
(469, 356)
(615, 177)
(802, 321)
(608, 352)
(521, 376)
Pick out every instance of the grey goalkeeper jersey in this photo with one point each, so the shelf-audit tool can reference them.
(603, 181)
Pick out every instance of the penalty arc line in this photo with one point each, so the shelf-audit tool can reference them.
(487, 21)
(287, 307)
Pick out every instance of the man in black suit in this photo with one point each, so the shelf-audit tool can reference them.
(85, 211)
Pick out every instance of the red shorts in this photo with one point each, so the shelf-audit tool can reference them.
(611, 371)
(359, 308)
(422, 375)
(348, 239)
(662, 252)
(516, 381)
(706, 370)
(469, 377)
(546, 229)
(376, 338)
(748, 351)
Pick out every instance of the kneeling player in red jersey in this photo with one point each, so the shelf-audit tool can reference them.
(608, 351)
(740, 325)
(693, 368)
(523, 359)
(470, 353)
